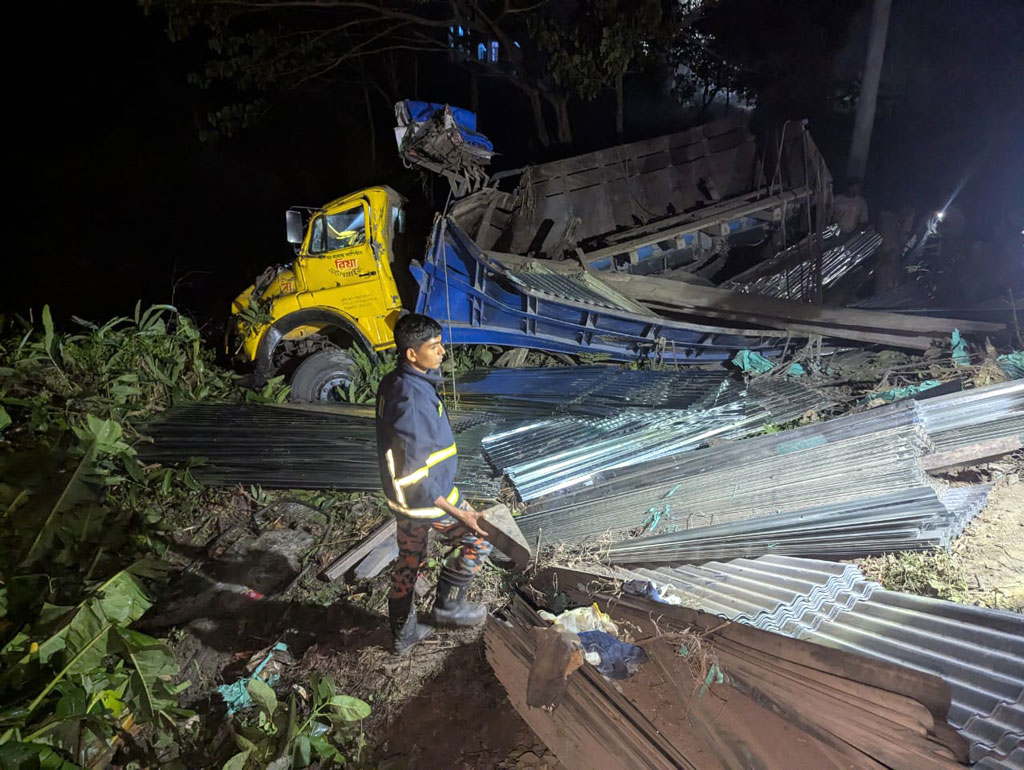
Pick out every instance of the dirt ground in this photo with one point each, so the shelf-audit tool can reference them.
(441, 707)
(992, 548)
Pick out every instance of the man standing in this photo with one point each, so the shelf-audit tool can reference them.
(418, 460)
(850, 210)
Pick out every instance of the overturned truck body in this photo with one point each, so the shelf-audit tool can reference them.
(678, 202)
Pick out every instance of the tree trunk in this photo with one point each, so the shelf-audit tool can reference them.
(865, 119)
(561, 104)
(538, 117)
(619, 106)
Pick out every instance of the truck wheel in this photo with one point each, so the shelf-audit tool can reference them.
(319, 376)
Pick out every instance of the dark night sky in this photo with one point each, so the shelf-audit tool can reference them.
(117, 197)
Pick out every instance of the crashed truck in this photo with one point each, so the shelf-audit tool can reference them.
(535, 259)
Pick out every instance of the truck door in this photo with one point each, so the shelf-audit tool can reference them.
(340, 267)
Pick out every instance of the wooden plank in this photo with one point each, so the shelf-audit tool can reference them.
(379, 558)
(340, 566)
(975, 454)
(648, 289)
(503, 533)
(910, 342)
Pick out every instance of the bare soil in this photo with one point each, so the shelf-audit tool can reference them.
(992, 548)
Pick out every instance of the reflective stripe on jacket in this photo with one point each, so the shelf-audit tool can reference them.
(416, 450)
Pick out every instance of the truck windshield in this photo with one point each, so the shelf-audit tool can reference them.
(338, 231)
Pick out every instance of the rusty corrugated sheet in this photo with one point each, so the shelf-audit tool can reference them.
(780, 702)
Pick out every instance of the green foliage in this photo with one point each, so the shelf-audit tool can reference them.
(936, 573)
(275, 735)
(363, 389)
(462, 358)
(603, 42)
(81, 521)
(254, 316)
(126, 369)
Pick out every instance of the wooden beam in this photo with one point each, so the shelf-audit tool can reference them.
(697, 298)
(907, 341)
(975, 454)
(340, 566)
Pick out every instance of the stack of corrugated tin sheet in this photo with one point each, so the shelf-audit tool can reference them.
(296, 446)
(860, 479)
(978, 651)
(587, 389)
(905, 520)
(974, 416)
(560, 452)
(799, 473)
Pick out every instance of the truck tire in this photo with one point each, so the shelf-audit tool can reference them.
(318, 376)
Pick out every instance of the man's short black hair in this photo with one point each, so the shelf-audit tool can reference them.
(413, 330)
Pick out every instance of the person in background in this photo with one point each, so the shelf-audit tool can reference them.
(850, 210)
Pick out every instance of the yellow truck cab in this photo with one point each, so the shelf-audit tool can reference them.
(301, 319)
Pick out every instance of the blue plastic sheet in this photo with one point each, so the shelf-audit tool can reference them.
(895, 394)
(236, 695)
(421, 112)
(1012, 364)
(619, 660)
(750, 361)
(959, 349)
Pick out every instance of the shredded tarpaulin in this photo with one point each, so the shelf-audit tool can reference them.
(647, 589)
(749, 361)
(582, 619)
(714, 675)
(236, 695)
(1012, 364)
(958, 346)
(618, 659)
(895, 394)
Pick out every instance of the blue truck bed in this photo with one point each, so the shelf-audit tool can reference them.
(480, 301)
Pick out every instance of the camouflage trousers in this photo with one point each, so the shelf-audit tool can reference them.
(413, 536)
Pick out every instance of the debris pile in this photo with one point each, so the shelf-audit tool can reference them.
(857, 484)
(790, 274)
(977, 651)
(718, 694)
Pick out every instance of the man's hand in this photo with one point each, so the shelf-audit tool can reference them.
(467, 515)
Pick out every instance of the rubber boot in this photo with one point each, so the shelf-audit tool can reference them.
(451, 607)
(406, 632)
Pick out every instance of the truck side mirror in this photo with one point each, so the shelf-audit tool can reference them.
(293, 225)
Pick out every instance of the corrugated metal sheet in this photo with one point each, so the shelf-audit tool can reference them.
(589, 389)
(912, 519)
(978, 651)
(779, 473)
(560, 452)
(811, 474)
(791, 273)
(575, 288)
(973, 416)
(296, 446)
